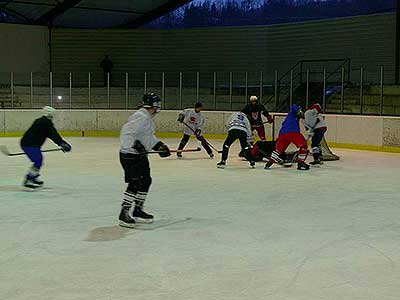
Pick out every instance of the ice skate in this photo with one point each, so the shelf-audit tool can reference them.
(141, 217)
(317, 161)
(268, 165)
(125, 220)
(221, 165)
(179, 155)
(252, 164)
(211, 155)
(32, 183)
(301, 165)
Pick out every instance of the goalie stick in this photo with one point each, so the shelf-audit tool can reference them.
(4, 150)
(215, 149)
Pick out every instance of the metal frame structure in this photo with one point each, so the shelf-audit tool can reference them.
(124, 94)
(47, 12)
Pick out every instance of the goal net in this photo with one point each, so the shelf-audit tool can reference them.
(327, 154)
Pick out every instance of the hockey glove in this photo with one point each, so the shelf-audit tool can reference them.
(270, 119)
(138, 146)
(164, 150)
(181, 117)
(65, 147)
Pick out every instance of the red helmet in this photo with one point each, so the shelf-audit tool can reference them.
(316, 106)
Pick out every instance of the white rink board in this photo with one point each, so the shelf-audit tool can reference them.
(330, 233)
(346, 129)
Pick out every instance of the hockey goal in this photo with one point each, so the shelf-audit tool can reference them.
(327, 154)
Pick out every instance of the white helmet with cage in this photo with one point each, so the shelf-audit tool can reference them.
(48, 111)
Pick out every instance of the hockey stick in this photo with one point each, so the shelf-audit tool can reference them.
(5, 151)
(262, 124)
(174, 151)
(211, 146)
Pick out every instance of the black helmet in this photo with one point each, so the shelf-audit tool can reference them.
(151, 100)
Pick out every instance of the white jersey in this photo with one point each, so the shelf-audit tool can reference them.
(313, 119)
(193, 119)
(140, 126)
(238, 120)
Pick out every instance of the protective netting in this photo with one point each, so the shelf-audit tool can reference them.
(327, 154)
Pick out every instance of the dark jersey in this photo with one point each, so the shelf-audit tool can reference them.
(254, 112)
(41, 129)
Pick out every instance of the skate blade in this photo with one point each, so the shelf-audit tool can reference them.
(31, 188)
(126, 225)
(221, 167)
(143, 221)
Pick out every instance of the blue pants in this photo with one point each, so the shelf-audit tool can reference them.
(35, 155)
(316, 142)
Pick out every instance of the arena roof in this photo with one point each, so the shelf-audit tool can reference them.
(86, 13)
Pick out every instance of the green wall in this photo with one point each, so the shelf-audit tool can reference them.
(367, 40)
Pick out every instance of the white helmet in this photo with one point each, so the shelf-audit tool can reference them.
(253, 98)
(48, 111)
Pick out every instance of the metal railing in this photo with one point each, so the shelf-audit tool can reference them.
(339, 89)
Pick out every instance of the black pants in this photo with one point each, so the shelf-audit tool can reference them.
(203, 141)
(233, 135)
(137, 172)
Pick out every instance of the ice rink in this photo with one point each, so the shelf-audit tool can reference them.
(331, 233)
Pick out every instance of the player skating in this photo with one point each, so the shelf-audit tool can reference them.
(238, 128)
(315, 124)
(253, 111)
(137, 138)
(290, 133)
(32, 141)
(193, 120)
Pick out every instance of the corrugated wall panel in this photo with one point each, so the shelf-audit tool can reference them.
(367, 40)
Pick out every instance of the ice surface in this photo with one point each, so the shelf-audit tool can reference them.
(330, 233)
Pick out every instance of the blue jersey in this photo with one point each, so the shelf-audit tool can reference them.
(291, 123)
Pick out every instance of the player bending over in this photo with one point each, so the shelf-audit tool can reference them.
(32, 141)
(193, 120)
(315, 124)
(264, 149)
(137, 138)
(253, 111)
(238, 128)
(290, 133)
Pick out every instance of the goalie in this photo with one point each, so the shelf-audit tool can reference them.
(315, 124)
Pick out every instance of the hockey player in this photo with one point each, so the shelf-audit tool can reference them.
(254, 110)
(290, 133)
(316, 126)
(32, 141)
(137, 138)
(264, 149)
(193, 120)
(238, 128)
